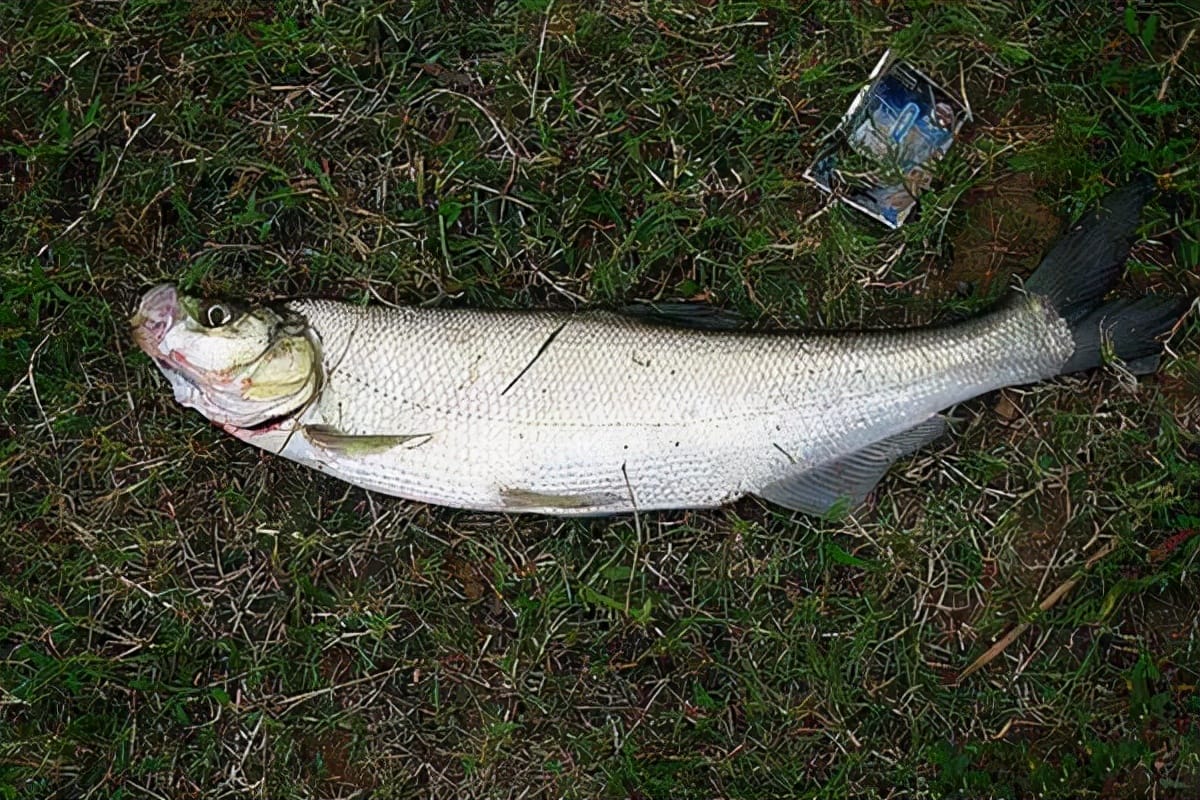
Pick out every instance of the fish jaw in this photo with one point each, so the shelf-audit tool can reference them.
(157, 312)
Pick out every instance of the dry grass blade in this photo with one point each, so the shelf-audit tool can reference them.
(1048, 603)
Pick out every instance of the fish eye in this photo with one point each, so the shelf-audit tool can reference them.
(216, 314)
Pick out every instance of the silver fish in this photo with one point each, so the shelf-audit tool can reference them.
(598, 413)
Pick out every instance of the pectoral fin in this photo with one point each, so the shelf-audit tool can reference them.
(331, 439)
(844, 483)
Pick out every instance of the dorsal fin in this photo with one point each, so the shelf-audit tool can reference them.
(686, 314)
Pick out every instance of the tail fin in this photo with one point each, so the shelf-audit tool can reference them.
(1082, 267)
(1125, 329)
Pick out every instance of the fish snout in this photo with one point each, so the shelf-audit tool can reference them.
(155, 315)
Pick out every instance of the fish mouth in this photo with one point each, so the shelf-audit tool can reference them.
(158, 311)
(155, 315)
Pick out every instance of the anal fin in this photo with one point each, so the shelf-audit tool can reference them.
(334, 441)
(844, 483)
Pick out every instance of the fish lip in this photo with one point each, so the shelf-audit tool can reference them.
(156, 313)
(167, 365)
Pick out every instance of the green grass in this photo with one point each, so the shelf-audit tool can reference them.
(181, 616)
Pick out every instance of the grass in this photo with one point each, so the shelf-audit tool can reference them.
(181, 616)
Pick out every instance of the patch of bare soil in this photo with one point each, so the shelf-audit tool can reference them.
(330, 757)
(1007, 229)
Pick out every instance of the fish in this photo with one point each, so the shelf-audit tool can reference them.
(591, 412)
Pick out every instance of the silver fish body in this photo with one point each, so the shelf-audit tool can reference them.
(596, 413)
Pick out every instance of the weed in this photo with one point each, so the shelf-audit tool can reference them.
(183, 616)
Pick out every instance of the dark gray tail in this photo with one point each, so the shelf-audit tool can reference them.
(1082, 267)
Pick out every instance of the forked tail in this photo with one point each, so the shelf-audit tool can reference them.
(1082, 267)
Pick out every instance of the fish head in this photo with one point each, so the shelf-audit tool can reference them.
(239, 366)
